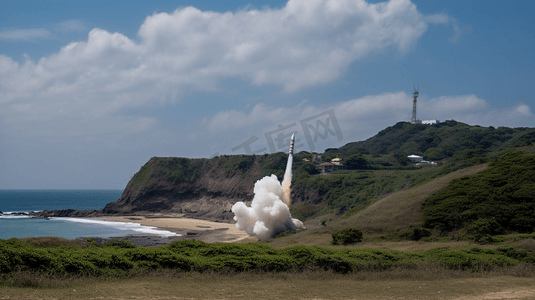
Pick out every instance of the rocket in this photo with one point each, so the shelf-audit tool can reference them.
(292, 140)
(287, 181)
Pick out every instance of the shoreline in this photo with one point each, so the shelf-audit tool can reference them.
(201, 230)
(189, 228)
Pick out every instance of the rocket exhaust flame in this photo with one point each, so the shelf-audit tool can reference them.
(269, 213)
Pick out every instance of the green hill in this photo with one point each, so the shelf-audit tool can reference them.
(501, 198)
(436, 142)
(379, 165)
(475, 203)
(375, 168)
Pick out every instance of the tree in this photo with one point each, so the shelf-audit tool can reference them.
(357, 162)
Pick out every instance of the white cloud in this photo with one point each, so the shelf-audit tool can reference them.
(25, 34)
(523, 110)
(517, 116)
(303, 44)
(260, 114)
(357, 119)
(362, 118)
(451, 105)
(458, 29)
(473, 110)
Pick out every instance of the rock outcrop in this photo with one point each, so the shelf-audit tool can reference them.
(208, 194)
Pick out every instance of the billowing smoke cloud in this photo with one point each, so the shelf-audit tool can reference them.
(268, 215)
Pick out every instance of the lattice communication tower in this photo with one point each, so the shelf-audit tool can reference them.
(415, 95)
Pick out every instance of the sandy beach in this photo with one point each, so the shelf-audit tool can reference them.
(202, 230)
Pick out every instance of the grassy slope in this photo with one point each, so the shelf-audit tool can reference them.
(354, 189)
(398, 210)
(403, 209)
(499, 200)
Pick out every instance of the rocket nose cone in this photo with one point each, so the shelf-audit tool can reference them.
(293, 135)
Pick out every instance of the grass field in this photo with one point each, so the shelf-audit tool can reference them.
(395, 284)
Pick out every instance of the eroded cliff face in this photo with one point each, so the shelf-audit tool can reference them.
(210, 195)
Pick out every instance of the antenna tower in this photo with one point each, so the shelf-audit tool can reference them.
(415, 94)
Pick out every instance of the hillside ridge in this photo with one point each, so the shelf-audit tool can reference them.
(207, 188)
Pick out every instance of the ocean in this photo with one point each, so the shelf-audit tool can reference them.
(20, 226)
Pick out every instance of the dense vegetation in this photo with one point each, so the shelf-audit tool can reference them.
(500, 199)
(178, 169)
(121, 259)
(343, 190)
(347, 236)
(387, 150)
(439, 141)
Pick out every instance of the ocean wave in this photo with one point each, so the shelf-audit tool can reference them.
(16, 215)
(121, 226)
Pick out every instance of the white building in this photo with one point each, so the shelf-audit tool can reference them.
(419, 160)
(336, 161)
(430, 122)
(415, 158)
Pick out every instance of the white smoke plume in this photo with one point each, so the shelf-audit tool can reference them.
(268, 215)
(287, 182)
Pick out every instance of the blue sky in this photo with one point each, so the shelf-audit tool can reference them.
(90, 90)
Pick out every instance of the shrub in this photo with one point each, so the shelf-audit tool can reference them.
(417, 234)
(285, 233)
(347, 236)
(484, 229)
(120, 244)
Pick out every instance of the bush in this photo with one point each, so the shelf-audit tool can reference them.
(485, 226)
(418, 233)
(484, 229)
(191, 255)
(347, 236)
(120, 244)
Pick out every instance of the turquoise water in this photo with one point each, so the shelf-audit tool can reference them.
(29, 200)
(18, 226)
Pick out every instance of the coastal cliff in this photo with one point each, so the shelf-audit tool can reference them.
(203, 188)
